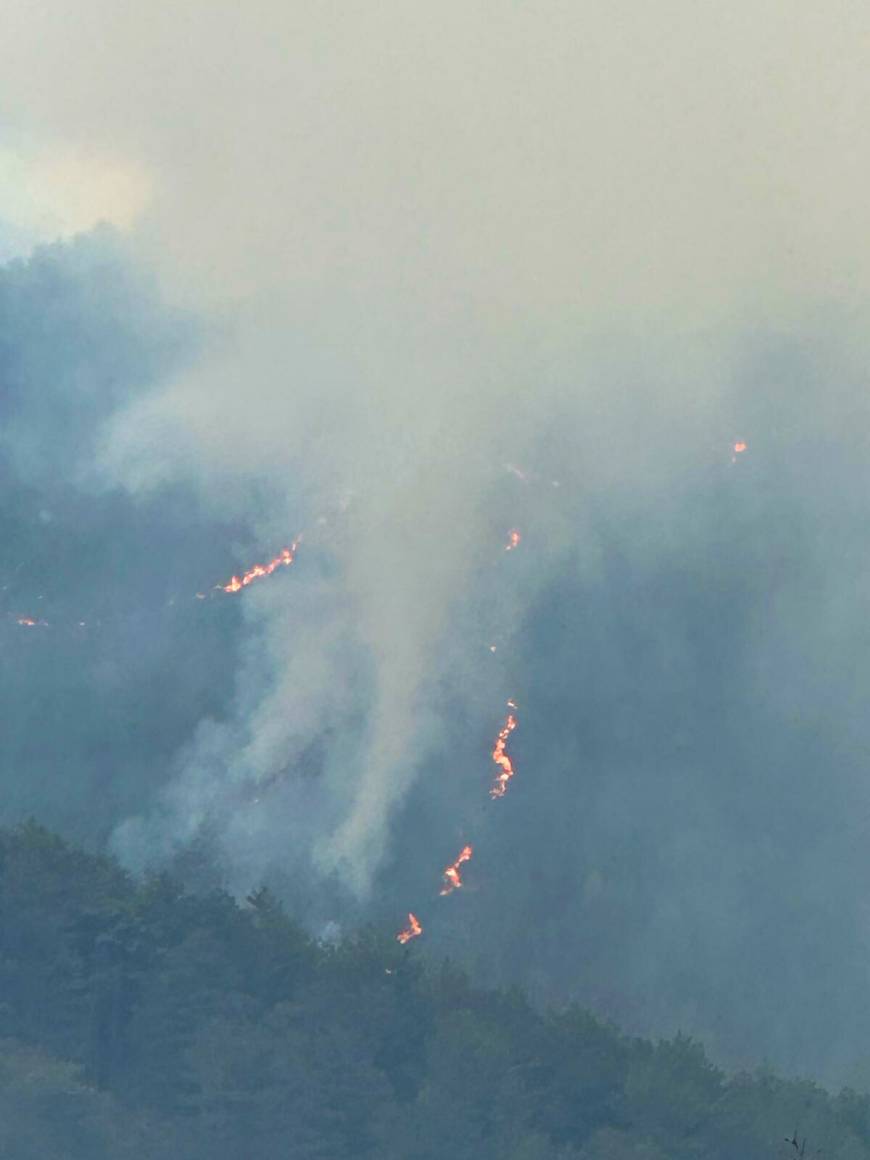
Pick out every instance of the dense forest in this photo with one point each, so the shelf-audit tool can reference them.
(142, 1020)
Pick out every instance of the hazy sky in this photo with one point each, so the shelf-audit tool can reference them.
(599, 241)
(669, 158)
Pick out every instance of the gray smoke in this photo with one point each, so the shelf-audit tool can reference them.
(596, 243)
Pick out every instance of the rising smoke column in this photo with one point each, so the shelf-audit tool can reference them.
(451, 875)
(376, 219)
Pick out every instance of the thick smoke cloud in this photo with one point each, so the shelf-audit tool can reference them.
(598, 242)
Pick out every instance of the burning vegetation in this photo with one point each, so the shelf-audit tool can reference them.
(502, 760)
(283, 560)
(413, 930)
(452, 877)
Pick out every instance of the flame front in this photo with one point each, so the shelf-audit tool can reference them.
(452, 877)
(514, 538)
(30, 622)
(283, 560)
(412, 930)
(501, 759)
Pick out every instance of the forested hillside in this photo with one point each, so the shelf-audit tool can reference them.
(139, 1020)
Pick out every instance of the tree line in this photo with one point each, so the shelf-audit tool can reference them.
(139, 1019)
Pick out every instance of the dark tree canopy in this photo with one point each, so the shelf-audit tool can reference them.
(139, 1019)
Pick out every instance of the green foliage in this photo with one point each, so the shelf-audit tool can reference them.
(670, 1089)
(48, 1113)
(142, 1020)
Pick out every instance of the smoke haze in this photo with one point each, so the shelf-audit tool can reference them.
(396, 253)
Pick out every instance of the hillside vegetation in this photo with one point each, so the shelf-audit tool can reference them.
(139, 1020)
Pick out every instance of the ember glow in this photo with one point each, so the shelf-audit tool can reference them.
(501, 759)
(452, 877)
(737, 449)
(283, 560)
(513, 540)
(30, 622)
(412, 930)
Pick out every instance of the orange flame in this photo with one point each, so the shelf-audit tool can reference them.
(501, 759)
(452, 878)
(739, 448)
(412, 930)
(284, 559)
(513, 540)
(29, 622)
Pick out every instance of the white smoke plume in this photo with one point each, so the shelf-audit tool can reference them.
(421, 232)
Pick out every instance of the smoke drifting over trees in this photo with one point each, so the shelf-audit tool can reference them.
(411, 278)
(683, 843)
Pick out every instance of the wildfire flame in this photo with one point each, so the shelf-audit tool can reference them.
(737, 449)
(412, 930)
(283, 560)
(30, 622)
(501, 759)
(513, 540)
(452, 878)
